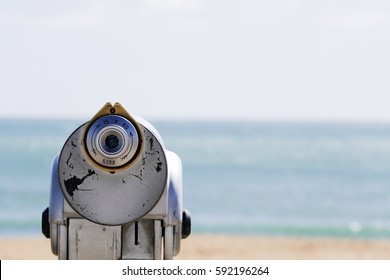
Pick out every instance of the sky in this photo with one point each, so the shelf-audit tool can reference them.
(197, 59)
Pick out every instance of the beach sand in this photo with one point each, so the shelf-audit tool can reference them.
(202, 247)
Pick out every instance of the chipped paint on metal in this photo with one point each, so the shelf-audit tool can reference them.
(71, 185)
(118, 198)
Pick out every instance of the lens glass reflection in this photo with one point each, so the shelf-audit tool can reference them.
(112, 141)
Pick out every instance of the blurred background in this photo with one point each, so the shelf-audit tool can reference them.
(278, 109)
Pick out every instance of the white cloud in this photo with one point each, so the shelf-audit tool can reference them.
(81, 19)
(291, 3)
(171, 6)
(357, 20)
(52, 16)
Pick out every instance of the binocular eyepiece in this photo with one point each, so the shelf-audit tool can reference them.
(116, 192)
(113, 141)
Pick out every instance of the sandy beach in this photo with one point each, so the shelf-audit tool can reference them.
(198, 247)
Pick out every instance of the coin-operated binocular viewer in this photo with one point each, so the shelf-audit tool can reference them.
(116, 192)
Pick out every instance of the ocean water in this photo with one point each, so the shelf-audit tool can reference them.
(259, 178)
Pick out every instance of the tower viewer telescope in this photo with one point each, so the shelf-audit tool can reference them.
(116, 192)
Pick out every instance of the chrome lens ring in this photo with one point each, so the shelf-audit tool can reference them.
(112, 141)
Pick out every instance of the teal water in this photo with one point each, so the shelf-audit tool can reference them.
(299, 179)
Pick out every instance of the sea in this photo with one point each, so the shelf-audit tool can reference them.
(312, 179)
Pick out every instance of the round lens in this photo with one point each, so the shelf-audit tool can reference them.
(112, 141)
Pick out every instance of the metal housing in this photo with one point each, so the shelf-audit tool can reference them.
(132, 212)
